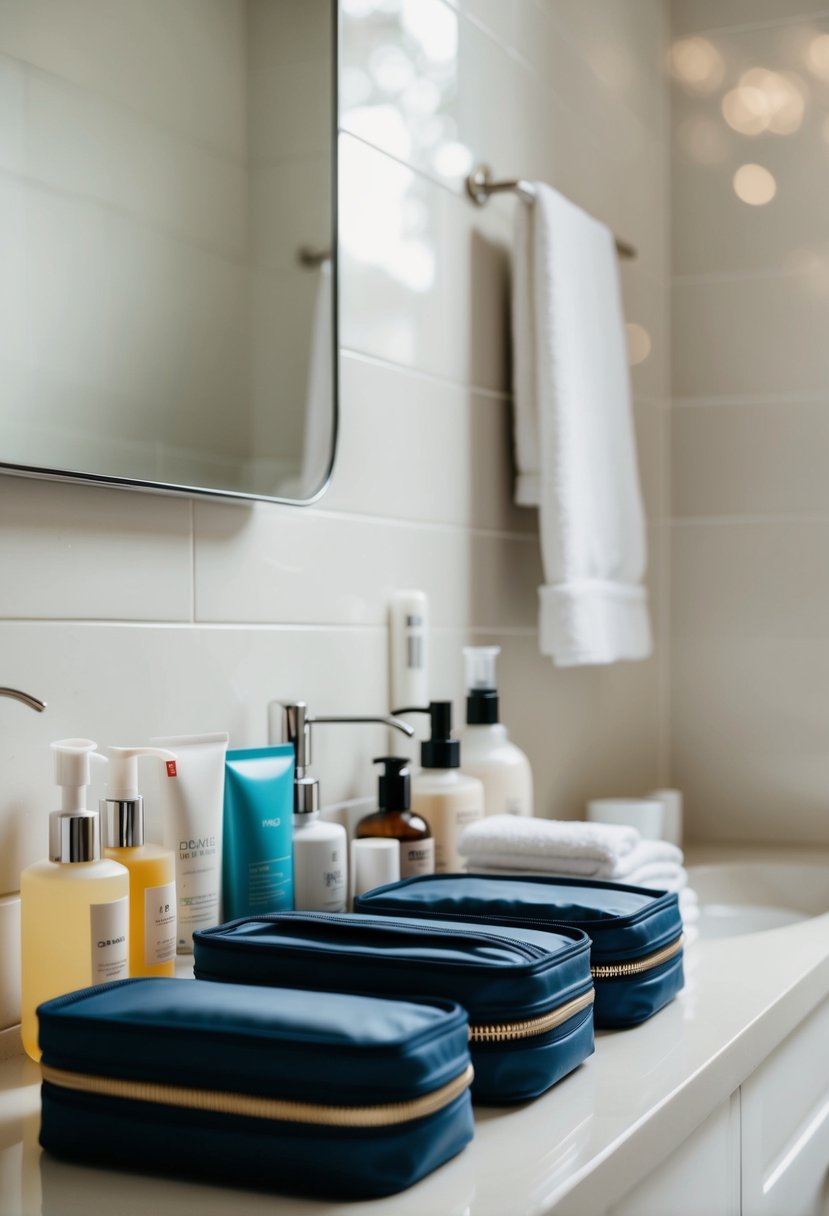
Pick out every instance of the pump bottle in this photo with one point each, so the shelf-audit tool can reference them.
(74, 908)
(320, 847)
(446, 798)
(152, 869)
(487, 752)
(393, 819)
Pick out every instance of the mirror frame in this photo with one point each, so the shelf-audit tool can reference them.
(155, 487)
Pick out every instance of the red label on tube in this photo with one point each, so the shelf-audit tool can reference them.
(171, 768)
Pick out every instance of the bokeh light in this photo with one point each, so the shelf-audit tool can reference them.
(755, 185)
(817, 56)
(697, 64)
(765, 101)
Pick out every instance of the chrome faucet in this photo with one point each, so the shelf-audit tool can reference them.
(296, 729)
(16, 695)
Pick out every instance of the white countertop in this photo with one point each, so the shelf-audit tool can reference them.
(591, 1138)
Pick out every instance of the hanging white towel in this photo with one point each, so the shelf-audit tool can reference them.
(574, 439)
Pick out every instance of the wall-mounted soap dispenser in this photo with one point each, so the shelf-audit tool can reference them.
(152, 869)
(320, 847)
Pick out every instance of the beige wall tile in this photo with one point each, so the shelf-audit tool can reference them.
(457, 439)
(751, 458)
(749, 738)
(72, 551)
(255, 564)
(749, 336)
(751, 579)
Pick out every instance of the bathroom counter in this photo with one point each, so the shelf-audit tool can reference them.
(574, 1151)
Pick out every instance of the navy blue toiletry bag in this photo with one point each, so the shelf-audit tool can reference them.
(528, 993)
(336, 1096)
(636, 957)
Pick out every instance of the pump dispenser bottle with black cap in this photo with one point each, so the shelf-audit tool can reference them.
(393, 820)
(487, 752)
(446, 798)
(74, 908)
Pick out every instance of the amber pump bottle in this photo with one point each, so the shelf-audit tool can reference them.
(394, 821)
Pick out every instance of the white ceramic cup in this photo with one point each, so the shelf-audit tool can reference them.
(645, 814)
(375, 860)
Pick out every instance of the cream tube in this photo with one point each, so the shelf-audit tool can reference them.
(191, 812)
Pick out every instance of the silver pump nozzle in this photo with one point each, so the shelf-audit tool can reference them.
(74, 831)
(123, 806)
(296, 727)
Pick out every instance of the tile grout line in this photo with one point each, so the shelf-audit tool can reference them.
(353, 352)
(750, 520)
(378, 627)
(758, 400)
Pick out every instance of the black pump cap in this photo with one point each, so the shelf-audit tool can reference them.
(394, 786)
(441, 750)
(482, 707)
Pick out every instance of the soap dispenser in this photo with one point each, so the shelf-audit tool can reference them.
(393, 819)
(446, 798)
(74, 908)
(152, 869)
(320, 847)
(487, 752)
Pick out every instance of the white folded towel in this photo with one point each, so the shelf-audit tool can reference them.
(574, 437)
(689, 906)
(497, 837)
(663, 875)
(567, 847)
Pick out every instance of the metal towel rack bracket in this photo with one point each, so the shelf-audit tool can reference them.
(480, 185)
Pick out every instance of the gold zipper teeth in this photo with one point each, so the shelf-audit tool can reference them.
(254, 1107)
(505, 1032)
(610, 971)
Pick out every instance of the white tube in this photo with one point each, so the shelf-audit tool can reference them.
(191, 812)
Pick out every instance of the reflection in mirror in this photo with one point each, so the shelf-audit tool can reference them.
(167, 259)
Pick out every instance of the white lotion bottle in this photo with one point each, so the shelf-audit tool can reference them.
(448, 799)
(320, 863)
(320, 845)
(74, 907)
(488, 753)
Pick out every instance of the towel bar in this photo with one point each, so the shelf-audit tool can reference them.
(480, 184)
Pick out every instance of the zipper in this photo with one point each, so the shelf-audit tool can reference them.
(254, 1107)
(505, 1032)
(616, 971)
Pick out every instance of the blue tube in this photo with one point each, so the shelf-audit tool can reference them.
(258, 855)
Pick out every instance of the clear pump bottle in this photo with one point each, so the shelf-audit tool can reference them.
(74, 908)
(152, 869)
(487, 752)
(446, 798)
(393, 820)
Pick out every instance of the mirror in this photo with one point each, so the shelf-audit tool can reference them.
(168, 243)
